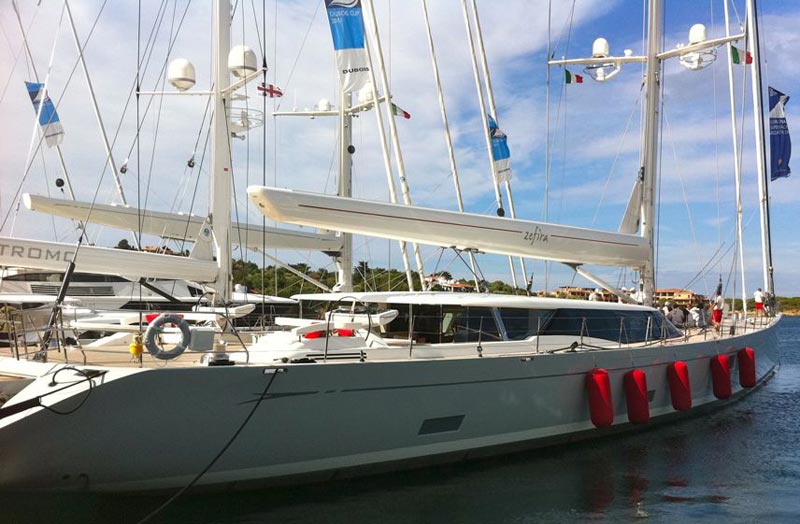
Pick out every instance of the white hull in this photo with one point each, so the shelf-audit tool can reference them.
(146, 429)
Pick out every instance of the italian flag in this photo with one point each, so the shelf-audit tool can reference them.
(572, 78)
(741, 57)
(398, 111)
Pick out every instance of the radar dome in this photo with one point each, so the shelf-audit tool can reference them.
(600, 48)
(180, 74)
(241, 61)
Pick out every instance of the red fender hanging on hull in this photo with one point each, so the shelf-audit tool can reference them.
(680, 389)
(747, 367)
(636, 396)
(721, 376)
(601, 407)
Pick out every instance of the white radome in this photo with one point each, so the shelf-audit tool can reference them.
(181, 74)
(241, 61)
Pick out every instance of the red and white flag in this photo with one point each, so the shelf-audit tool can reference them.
(270, 90)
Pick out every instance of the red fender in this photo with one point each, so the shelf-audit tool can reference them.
(635, 382)
(721, 376)
(680, 389)
(747, 367)
(601, 407)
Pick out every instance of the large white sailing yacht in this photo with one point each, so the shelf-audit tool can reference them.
(374, 381)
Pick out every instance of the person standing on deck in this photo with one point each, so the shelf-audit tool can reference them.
(758, 296)
(716, 312)
(594, 296)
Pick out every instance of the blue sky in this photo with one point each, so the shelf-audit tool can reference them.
(594, 160)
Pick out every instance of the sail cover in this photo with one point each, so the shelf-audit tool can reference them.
(780, 144)
(347, 30)
(48, 118)
(505, 236)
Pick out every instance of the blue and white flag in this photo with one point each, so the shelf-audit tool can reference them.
(48, 118)
(347, 29)
(780, 143)
(501, 155)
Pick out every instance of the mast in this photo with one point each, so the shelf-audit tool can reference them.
(344, 261)
(761, 156)
(650, 147)
(448, 137)
(493, 108)
(221, 149)
(737, 168)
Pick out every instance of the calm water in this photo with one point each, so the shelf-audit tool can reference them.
(741, 464)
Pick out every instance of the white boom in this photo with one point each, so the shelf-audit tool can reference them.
(179, 226)
(55, 256)
(448, 228)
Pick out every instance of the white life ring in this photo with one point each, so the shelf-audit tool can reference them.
(154, 329)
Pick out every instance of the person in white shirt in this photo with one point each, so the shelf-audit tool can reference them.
(758, 296)
(716, 312)
(594, 296)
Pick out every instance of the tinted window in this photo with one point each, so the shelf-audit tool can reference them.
(474, 324)
(58, 277)
(523, 323)
(617, 325)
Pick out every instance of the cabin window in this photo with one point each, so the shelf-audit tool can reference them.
(475, 324)
(522, 323)
(627, 327)
(58, 277)
(437, 324)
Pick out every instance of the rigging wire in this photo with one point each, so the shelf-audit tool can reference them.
(16, 55)
(242, 426)
(636, 103)
(563, 102)
(157, 126)
(34, 147)
(299, 51)
(659, 172)
(548, 141)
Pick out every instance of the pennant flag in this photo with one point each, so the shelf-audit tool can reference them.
(48, 118)
(780, 144)
(740, 56)
(501, 155)
(572, 78)
(347, 28)
(270, 90)
(399, 111)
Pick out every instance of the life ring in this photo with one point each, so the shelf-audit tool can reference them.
(154, 329)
